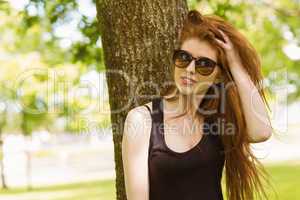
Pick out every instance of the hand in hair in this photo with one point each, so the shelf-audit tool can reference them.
(231, 53)
(259, 126)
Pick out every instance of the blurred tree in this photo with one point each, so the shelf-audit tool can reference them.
(51, 17)
(3, 112)
(32, 49)
(5, 95)
(39, 79)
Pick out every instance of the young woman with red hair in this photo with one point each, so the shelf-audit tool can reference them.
(206, 120)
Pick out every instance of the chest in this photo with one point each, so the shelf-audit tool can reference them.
(180, 136)
(207, 155)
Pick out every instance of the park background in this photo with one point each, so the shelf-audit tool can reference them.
(55, 120)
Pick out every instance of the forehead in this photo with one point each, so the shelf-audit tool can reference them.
(199, 48)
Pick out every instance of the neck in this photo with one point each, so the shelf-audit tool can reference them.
(192, 104)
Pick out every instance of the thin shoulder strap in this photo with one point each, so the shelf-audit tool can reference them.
(148, 108)
(155, 137)
(155, 106)
(157, 112)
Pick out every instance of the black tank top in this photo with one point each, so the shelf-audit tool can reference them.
(191, 175)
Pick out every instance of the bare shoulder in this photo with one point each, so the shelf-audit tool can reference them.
(137, 124)
(139, 114)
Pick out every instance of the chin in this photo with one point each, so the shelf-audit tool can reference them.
(186, 91)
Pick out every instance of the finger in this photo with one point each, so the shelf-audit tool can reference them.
(224, 36)
(227, 43)
(220, 42)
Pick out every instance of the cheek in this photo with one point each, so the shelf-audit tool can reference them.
(177, 73)
(201, 86)
(204, 82)
(208, 79)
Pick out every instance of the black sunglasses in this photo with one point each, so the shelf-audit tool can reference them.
(203, 65)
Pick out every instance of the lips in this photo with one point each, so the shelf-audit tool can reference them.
(188, 79)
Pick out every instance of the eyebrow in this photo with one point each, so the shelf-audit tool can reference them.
(199, 56)
(205, 57)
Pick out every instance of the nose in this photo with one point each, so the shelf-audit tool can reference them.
(191, 67)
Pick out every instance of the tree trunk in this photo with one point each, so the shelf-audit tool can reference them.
(2, 165)
(3, 180)
(138, 38)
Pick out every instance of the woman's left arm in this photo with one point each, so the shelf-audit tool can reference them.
(256, 115)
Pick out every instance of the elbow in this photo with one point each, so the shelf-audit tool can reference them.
(266, 135)
(262, 136)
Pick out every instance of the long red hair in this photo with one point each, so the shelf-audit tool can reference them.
(245, 175)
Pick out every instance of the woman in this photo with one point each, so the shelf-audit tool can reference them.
(204, 122)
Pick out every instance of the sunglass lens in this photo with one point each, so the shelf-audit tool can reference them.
(181, 59)
(205, 66)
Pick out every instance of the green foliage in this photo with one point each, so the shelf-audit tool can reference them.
(36, 69)
(57, 13)
(34, 113)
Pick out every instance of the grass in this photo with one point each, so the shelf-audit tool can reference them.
(285, 179)
(96, 190)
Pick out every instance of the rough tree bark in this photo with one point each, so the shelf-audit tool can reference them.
(138, 38)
